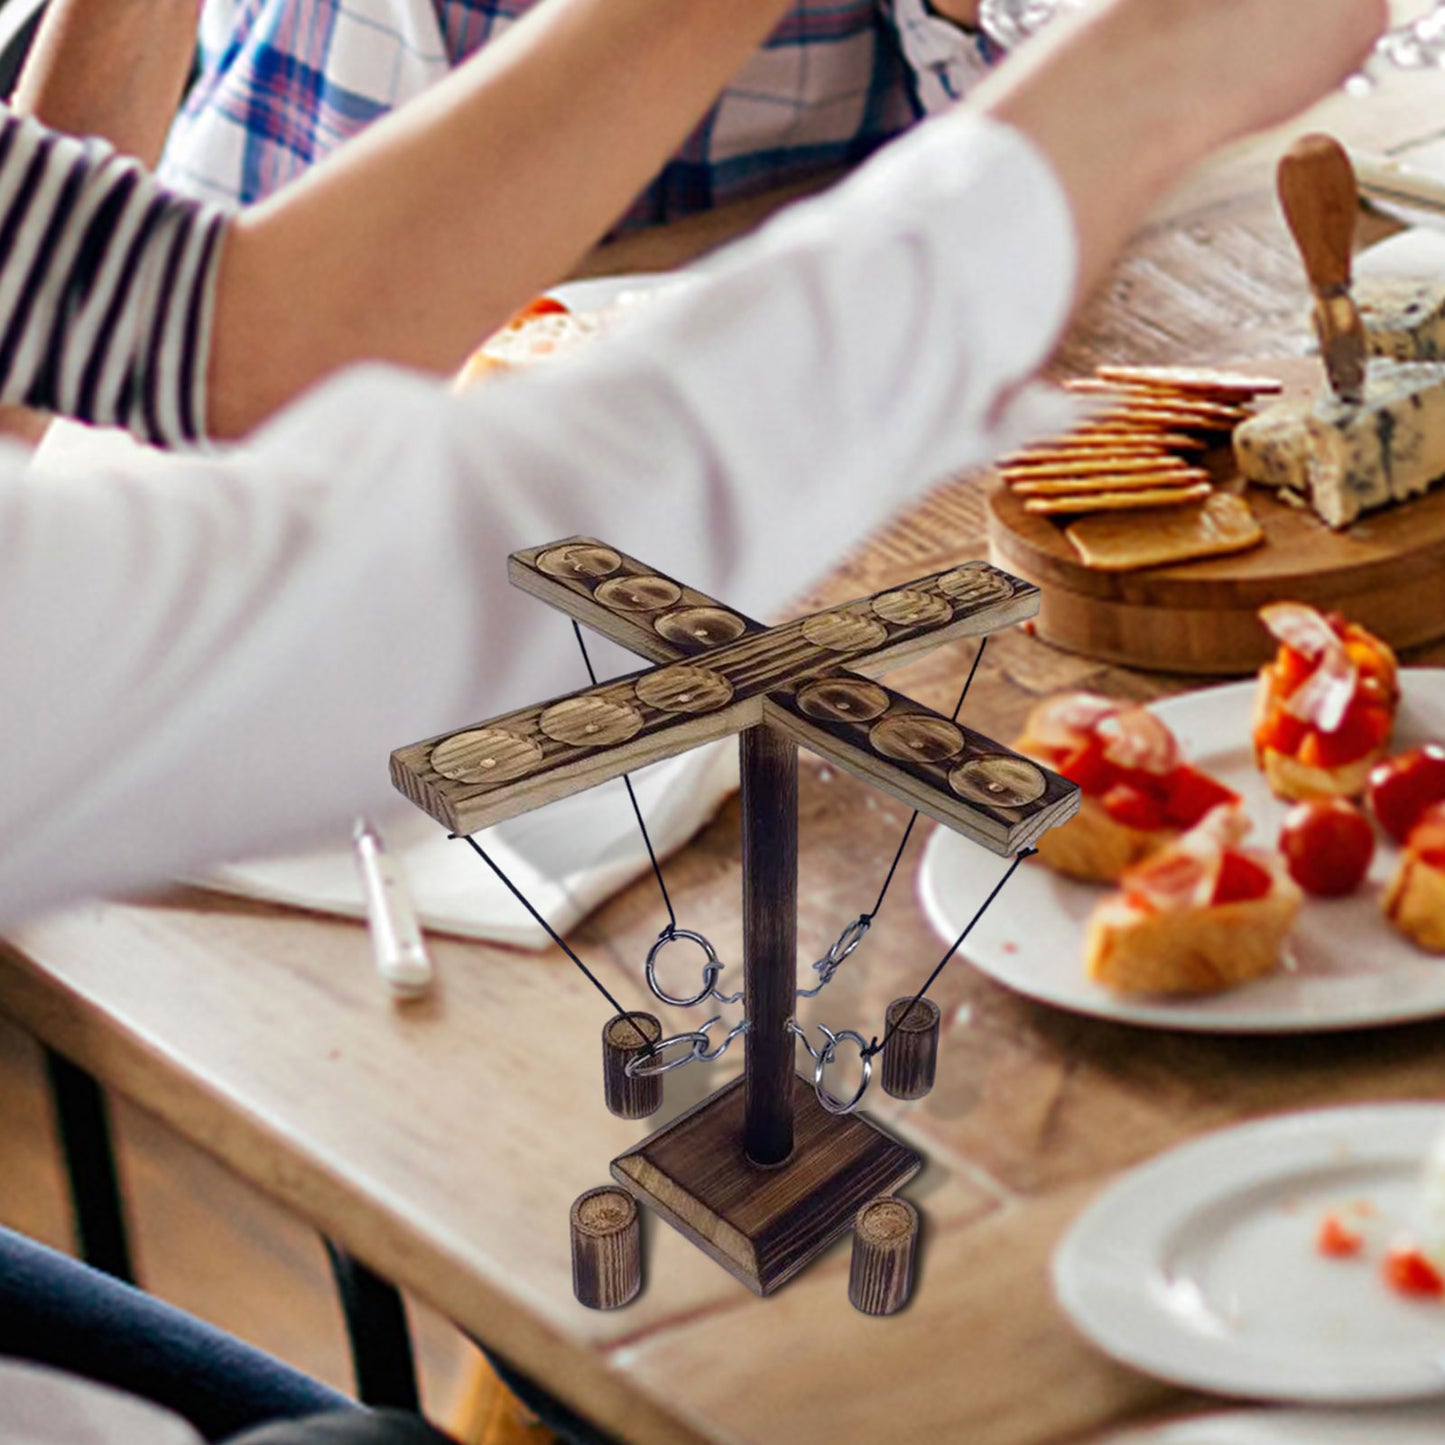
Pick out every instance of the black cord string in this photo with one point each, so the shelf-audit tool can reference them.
(656, 867)
(877, 1045)
(551, 932)
(897, 857)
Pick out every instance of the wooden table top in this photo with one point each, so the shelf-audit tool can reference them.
(443, 1142)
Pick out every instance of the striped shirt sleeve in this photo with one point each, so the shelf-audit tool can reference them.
(107, 285)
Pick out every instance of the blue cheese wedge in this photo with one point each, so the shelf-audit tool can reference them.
(1346, 459)
(1272, 449)
(1404, 316)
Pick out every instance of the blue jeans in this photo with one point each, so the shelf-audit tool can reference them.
(55, 1311)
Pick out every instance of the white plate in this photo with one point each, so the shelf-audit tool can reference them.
(1403, 1425)
(1200, 1267)
(592, 293)
(1345, 967)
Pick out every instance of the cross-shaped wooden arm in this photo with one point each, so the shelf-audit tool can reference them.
(721, 673)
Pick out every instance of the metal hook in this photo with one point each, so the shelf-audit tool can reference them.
(717, 1053)
(645, 1066)
(710, 969)
(832, 1104)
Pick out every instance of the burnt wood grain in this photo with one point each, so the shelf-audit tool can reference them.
(606, 1248)
(723, 673)
(885, 1239)
(910, 1057)
(626, 1037)
(764, 1224)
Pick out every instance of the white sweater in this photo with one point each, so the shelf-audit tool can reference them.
(217, 659)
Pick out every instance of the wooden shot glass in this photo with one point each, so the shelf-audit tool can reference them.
(911, 1054)
(885, 1238)
(606, 1248)
(624, 1037)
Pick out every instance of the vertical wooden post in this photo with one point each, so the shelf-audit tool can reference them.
(770, 938)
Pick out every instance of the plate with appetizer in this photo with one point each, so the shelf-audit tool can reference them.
(565, 319)
(1414, 1424)
(1260, 857)
(1295, 1258)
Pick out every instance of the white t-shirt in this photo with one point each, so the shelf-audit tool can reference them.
(217, 659)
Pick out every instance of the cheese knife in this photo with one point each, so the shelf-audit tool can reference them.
(401, 956)
(1318, 192)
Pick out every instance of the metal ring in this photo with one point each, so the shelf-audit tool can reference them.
(849, 939)
(800, 1034)
(710, 969)
(845, 943)
(644, 1066)
(717, 1053)
(828, 1101)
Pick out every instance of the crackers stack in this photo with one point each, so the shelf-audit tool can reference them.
(1132, 472)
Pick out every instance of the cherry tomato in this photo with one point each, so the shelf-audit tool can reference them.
(1190, 794)
(1327, 844)
(1133, 808)
(1241, 879)
(1336, 1239)
(541, 306)
(1402, 787)
(1290, 670)
(1427, 837)
(1281, 732)
(1364, 728)
(1089, 768)
(1408, 1271)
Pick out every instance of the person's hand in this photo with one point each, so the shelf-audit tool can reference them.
(1124, 95)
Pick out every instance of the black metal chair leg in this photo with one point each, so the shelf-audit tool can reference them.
(381, 1355)
(85, 1141)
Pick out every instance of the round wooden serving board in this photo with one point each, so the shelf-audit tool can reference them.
(1387, 571)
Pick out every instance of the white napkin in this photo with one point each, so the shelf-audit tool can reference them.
(565, 858)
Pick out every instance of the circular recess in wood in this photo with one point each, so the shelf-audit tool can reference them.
(885, 1237)
(591, 722)
(603, 1212)
(684, 689)
(912, 1015)
(631, 1030)
(844, 631)
(485, 755)
(887, 1221)
(843, 699)
(638, 594)
(708, 625)
(579, 559)
(606, 1248)
(907, 608)
(999, 780)
(973, 584)
(915, 738)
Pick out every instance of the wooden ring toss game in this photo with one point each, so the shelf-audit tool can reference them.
(772, 1168)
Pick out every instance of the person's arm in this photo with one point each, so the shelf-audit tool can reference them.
(110, 68)
(429, 229)
(239, 645)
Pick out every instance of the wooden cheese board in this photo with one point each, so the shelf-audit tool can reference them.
(1387, 571)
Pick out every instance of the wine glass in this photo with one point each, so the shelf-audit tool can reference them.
(1417, 43)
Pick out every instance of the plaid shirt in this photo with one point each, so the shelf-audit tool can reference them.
(283, 82)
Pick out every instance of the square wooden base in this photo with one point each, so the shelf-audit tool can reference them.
(764, 1225)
